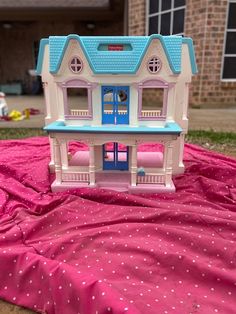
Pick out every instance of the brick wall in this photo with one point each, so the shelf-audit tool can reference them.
(205, 23)
(137, 17)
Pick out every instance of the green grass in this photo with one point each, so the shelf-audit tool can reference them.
(223, 142)
(215, 137)
(10, 133)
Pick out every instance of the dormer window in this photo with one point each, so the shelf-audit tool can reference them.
(154, 65)
(76, 65)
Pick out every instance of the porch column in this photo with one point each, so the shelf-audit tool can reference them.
(64, 154)
(134, 165)
(57, 160)
(91, 165)
(167, 163)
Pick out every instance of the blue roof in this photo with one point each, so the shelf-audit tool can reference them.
(116, 62)
(59, 126)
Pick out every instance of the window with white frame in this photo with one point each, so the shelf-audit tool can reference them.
(165, 17)
(229, 57)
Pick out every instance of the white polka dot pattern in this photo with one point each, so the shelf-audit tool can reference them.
(100, 251)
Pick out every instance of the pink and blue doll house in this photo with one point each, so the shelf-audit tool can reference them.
(100, 91)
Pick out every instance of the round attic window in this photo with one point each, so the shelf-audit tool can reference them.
(76, 65)
(154, 65)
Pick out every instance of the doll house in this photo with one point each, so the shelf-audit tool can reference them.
(116, 95)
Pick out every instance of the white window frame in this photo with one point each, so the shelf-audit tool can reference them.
(171, 11)
(224, 45)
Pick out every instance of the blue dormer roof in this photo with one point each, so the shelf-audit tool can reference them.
(127, 61)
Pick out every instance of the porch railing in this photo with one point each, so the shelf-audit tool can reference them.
(150, 113)
(151, 179)
(78, 177)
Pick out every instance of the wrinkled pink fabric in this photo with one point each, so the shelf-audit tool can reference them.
(98, 251)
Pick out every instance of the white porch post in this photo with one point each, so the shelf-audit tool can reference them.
(64, 153)
(134, 165)
(168, 152)
(52, 154)
(91, 165)
(57, 160)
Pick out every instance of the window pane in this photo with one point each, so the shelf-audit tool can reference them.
(229, 71)
(122, 156)
(108, 96)
(122, 110)
(122, 147)
(109, 157)
(232, 15)
(153, 6)
(230, 42)
(122, 95)
(109, 146)
(179, 3)
(108, 108)
(152, 98)
(165, 24)
(77, 101)
(178, 23)
(153, 25)
(166, 5)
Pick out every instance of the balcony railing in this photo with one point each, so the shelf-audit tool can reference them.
(79, 112)
(150, 113)
(151, 179)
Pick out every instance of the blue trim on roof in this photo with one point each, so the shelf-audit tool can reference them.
(59, 126)
(117, 62)
(43, 43)
(189, 42)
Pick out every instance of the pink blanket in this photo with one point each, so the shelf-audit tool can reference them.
(98, 251)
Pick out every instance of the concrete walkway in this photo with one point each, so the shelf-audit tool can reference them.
(199, 119)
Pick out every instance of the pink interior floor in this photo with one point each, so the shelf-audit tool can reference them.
(144, 159)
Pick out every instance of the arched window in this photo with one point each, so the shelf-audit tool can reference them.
(77, 95)
(76, 65)
(152, 99)
(154, 65)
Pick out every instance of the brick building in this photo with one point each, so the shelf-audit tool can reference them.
(24, 22)
(212, 25)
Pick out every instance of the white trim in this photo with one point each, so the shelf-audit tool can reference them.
(167, 11)
(147, 17)
(224, 45)
(172, 17)
(228, 80)
(160, 13)
(203, 54)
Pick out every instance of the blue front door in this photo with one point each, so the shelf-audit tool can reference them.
(115, 156)
(115, 105)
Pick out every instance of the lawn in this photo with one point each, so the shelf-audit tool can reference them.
(223, 142)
